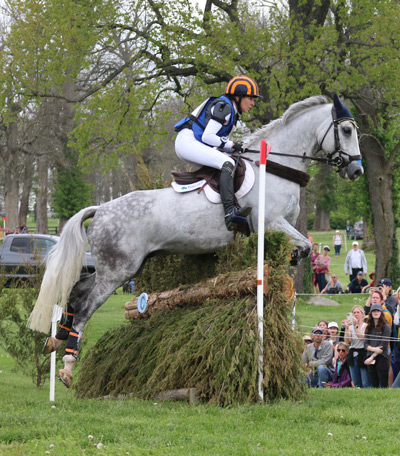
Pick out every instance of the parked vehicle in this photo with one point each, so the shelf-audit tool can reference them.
(22, 255)
(357, 232)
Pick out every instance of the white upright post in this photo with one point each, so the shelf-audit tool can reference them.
(264, 152)
(294, 312)
(57, 312)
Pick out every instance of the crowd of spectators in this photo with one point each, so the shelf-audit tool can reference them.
(364, 352)
(355, 267)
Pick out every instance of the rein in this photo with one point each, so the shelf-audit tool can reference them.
(341, 160)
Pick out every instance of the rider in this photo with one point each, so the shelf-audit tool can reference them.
(203, 136)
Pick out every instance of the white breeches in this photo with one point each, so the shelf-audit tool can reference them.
(196, 153)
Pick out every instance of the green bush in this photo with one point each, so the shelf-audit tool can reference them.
(24, 345)
(212, 346)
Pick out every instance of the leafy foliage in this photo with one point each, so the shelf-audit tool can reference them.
(24, 345)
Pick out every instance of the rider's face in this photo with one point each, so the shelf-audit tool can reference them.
(246, 104)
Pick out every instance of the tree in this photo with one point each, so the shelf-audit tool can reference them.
(127, 60)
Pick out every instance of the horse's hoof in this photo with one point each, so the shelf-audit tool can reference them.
(65, 377)
(51, 344)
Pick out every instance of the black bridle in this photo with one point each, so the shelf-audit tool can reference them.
(338, 157)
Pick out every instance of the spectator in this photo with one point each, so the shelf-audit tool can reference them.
(333, 286)
(341, 378)
(355, 261)
(337, 242)
(396, 344)
(333, 329)
(323, 262)
(389, 301)
(357, 284)
(354, 336)
(377, 335)
(377, 297)
(314, 256)
(348, 229)
(387, 290)
(371, 284)
(324, 325)
(318, 359)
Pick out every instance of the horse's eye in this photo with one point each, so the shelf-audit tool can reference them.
(347, 130)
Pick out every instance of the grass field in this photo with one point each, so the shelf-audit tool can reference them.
(328, 422)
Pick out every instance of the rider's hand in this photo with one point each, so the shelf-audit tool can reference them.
(239, 146)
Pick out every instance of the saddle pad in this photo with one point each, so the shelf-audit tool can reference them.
(183, 188)
(211, 194)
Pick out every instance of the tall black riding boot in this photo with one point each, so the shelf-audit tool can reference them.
(234, 214)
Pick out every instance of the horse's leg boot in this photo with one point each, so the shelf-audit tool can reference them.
(234, 214)
(65, 375)
(51, 344)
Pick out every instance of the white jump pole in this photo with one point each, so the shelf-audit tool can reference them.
(57, 312)
(265, 149)
(294, 312)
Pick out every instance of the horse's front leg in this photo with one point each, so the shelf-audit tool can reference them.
(302, 245)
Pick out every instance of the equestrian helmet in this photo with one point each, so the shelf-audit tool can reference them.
(242, 86)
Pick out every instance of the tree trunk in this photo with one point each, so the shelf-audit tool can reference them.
(380, 187)
(41, 200)
(379, 173)
(11, 180)
(322, 219)
(26, 190)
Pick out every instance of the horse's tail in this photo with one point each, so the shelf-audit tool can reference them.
(63, 268)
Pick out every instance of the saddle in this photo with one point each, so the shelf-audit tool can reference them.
(210, 175)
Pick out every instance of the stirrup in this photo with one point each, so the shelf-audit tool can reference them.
(242, 211)
(233, 219)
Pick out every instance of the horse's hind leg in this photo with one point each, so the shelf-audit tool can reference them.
(64, 327)
(53, 343)
(84, 309)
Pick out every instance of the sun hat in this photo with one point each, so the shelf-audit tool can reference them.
(326, 247)
(307, 337)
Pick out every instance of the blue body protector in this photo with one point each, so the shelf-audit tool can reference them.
(198, 123)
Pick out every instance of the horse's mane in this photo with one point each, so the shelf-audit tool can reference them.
(294, 110)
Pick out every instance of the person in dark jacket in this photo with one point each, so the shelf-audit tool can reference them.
(357, 284)
(341, 378)
(376, 340)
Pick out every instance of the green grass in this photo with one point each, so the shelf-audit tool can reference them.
(329, 422)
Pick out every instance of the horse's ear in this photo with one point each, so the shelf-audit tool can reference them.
(342, 111)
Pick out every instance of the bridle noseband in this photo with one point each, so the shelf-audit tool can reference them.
(343, 158)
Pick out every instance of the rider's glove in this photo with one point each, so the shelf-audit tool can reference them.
(239, 146)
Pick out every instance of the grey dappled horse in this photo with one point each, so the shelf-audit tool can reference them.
(125, 231)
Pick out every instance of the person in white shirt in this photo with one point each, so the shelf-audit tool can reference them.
(355, 261)
(337, 242)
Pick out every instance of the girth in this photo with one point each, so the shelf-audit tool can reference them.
(211, 175)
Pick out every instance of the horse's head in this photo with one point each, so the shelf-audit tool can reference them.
(340, 141)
